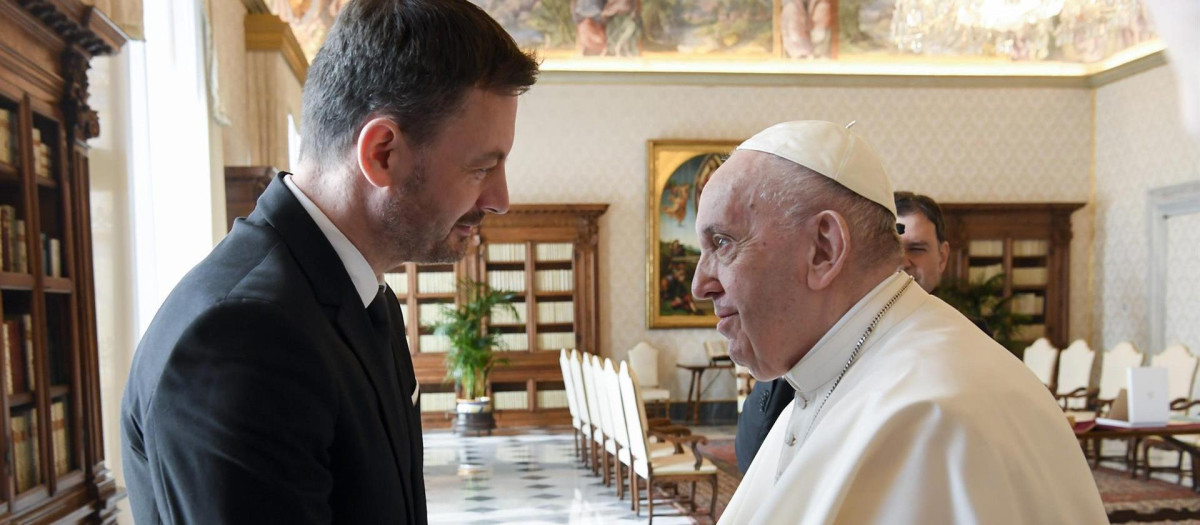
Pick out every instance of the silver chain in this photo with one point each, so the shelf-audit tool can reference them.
(854, 353)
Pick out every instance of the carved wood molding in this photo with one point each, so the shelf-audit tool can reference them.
(267, 32)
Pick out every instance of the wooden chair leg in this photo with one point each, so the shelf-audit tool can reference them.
(712, 505)
(620, 480)
(693, 497)
(635, 502)
(650, 498)
(604, 467)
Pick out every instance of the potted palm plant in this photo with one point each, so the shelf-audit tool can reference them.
(984, 303)
(472, 354)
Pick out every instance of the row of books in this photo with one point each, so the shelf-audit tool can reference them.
(556, 312)
(508, 280)
(16, 336)
(1029, 332)
(8, 144)
(437, 401)
(505, 252)
(505, 316)
(14, 256)
(1029, 276)
(25, 450)
(555, 340)
(60, 437)
(398, 282)
(555, 251)
(1030, 248)
(986, 248)
(552, 398)
(516, 400)
(434, 344)
(41, 156)
(1028, 304)
(555, 280)
(430, 314)
(51, 256)
(1020, 248)
(978, 274)
(435, 282)
(513, 342)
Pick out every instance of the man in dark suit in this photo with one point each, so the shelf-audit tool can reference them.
(275, 384)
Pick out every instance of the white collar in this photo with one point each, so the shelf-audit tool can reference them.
(366, 283)
(827, 358)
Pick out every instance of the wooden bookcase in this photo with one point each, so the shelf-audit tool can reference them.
(53, 468)
(1030, 243)
(547, 254)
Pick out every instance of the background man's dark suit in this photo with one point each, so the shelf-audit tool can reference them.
(759, 412)
(262, 394)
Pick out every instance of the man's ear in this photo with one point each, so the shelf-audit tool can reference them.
(830, 248)
(943, 256)
(383, 152)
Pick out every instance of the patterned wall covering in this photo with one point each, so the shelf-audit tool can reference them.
(1140, 145)
(1183, 277)
(587, 143)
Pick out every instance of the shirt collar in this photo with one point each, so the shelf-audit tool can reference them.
(366, 283)
(827, 358)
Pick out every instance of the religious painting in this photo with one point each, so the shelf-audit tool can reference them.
(740, 27)
(545, 25)
(678, 171)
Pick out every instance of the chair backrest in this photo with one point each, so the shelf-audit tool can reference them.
(635, 412)
(716, 348)
(581, 389)
(601, 395)
(568, 384)
(644, 359)
(1181, 370)
(612, 387)
(1114, 368)
(1075, 370)
(593, 392)
(1040, 357)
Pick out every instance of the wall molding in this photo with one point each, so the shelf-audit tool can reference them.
(267, 32)
(1161, 204)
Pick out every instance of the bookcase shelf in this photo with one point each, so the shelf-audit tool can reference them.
(58, 285)
(16, 281)
(53, 469)
(1028, 243)
(554, 295)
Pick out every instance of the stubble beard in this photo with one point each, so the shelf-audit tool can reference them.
(409, 227)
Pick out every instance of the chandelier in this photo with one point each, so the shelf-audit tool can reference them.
(1074, 30)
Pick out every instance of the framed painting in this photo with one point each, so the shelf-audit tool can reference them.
(677, 172)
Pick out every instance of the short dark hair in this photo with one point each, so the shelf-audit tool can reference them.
(413, 61)
(908, 202)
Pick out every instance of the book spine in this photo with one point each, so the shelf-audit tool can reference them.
(27, 335)
(56, 258)
(21, 257)
(7, 215)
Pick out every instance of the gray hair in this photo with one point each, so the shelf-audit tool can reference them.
(799, 193)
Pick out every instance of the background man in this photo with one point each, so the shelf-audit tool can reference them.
(926, 250)
(275, 384)
(893, 420)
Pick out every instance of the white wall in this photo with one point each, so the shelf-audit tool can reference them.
(1140, 145)
(587, 143)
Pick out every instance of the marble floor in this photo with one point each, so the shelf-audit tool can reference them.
(527, 478)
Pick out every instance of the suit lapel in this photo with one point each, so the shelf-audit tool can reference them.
(332, 287)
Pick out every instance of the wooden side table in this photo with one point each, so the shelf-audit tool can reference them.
(693, 407)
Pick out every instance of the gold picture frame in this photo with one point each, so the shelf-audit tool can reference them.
(676, 173)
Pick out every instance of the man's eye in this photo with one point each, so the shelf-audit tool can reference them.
(720, 241)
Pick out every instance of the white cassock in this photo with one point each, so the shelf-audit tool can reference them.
(934, 423)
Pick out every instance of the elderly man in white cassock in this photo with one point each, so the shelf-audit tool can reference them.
(904, 412)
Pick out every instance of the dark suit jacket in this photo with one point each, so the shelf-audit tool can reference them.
(260, 395)
(759, 412)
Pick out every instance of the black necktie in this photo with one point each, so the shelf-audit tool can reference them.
(378, 312)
